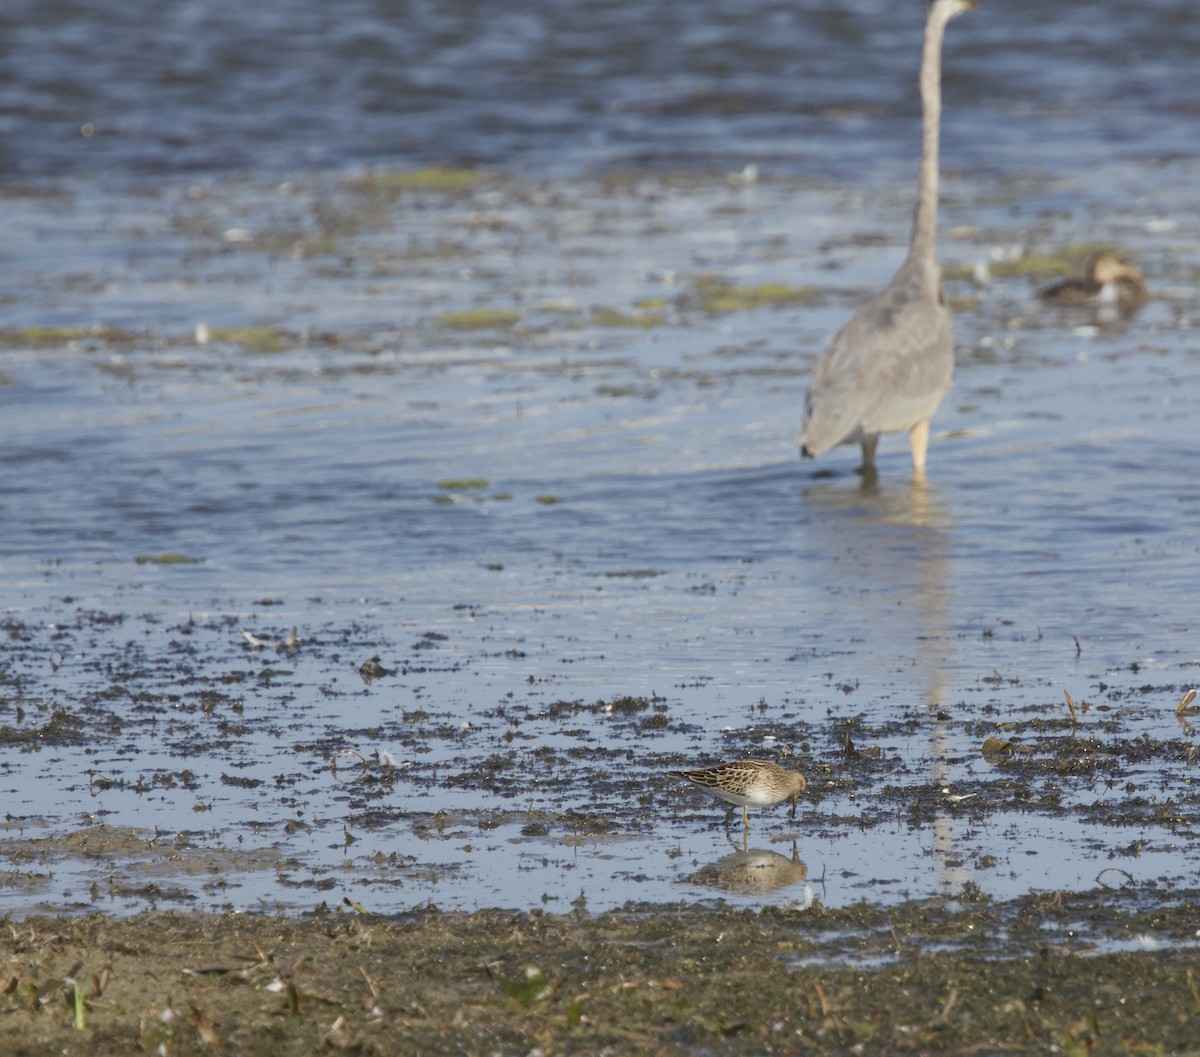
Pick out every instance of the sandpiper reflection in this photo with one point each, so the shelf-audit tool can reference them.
(754, 871)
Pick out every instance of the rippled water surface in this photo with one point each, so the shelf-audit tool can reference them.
(487, 427)
(554, 86)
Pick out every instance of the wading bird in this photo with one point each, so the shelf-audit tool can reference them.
(889, 367)
(747, 784)
(1111, 280)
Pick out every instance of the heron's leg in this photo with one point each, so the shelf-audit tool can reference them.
(868, 447)
(918, 441)
(746, 818)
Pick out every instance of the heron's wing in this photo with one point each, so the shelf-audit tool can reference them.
(886, 369)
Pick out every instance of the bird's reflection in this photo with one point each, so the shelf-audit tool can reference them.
(888, 548)
(753, 871)
(915, 504)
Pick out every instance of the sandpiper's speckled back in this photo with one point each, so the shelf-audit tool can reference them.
(748, 783)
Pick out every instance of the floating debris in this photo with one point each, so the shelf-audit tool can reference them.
(994, 747)
(373, 669)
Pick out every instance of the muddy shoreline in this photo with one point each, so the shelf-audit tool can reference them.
(1108, 971)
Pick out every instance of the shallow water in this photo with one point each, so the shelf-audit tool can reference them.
(645, 529)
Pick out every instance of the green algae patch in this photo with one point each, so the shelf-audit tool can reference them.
(167, 558)
(258, 340)
(438, 179)
(1067, 260)
(481, 319)
(621, 391)
(40, 337)
(548, 500)
(462, 484)
(712, 295)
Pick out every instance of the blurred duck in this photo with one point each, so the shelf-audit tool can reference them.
(1112, 280)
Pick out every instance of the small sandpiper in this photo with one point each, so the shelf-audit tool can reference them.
(748, 783)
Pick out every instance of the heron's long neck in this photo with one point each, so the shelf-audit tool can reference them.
(923, 250)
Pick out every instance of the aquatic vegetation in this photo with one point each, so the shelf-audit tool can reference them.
(61, 728)
(462, 484)
(994, 748)
(480, 319)
(636, 574)
(396, 182)
(167, 558)
(626, 706)
(713, 295)
(459, 489)
(40, 336)
(46, 336)
(1066, 260)
(619, 391)
(261, 340)
(530, 988)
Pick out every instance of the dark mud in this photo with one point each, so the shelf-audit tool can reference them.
(921, 978)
